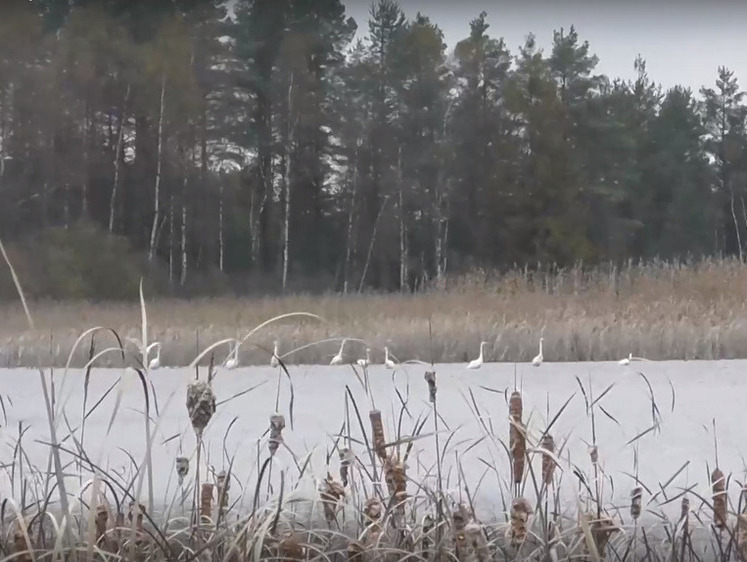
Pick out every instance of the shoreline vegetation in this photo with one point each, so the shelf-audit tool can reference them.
(657, 310)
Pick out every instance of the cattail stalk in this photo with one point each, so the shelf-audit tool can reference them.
(521, 510)
(331, 492)
(517, 437)
(377, 429)
(277, 424)
(206, 502)
(718, 483)
(548, 463)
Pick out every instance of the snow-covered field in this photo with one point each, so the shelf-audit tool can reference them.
(699, 393)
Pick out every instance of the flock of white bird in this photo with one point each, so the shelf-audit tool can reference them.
(232, 361)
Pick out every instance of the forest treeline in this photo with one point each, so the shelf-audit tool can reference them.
(271, 145)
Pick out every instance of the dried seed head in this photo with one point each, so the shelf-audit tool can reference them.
(277, 424)
(290, 547)
(635, 502)
(718, 482)
(346, 458)
(206, 501)
(377, 428)
(331, 492)
(477, 544)
(223, 484)
(182, 468)
(200, 405)
(742, 535)
(517, 438)
(372, 510)
(601, 531)
(521, 510)
(594, 454)
(685, 508)
(136, 511)
(430, 378)
(548, 463)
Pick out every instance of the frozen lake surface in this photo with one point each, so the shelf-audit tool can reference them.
(699, 393)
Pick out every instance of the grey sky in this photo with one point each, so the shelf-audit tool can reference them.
(683, 41)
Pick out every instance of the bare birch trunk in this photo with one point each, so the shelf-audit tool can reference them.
(286, 184)
(736, 223)
(220, 227)
(117, 153)
(349, 241)
(157, 188)
(403, 274)
(171, 239)
(183, 278)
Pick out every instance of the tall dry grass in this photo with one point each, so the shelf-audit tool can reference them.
(377, 509)
(658, 310)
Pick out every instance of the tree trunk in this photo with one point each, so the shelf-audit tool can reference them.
(220, 226)
(157, 188)
(286, 183)
(171, 239)
(349, 242)
(117, 159)
(371, 244)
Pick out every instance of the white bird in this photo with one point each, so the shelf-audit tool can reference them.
(337, 359)
(155, 363)
(627, 360)
(367, 361)
(233, 359)
(274, 359)
(477, 363)
(537, 361)
(388, 363)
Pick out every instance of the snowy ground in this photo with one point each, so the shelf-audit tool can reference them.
(703, 391)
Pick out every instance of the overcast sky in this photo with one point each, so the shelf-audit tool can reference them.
(683, 41)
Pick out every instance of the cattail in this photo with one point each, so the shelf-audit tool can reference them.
(520, 512)
(330, 492)
(377, 428)
(277, 424)
(517, 439)
(459, 518)
(719, 499)
(372, 510)
(136, 512)
(635, 502)
(182, 468)
(594, 454)
(223, 486)
(430, 378)
(346, 458)
(290, 547)
(601, 531)
(206, 501)
(200, 405)
(477, 544)
(742, 535)
(548, 463)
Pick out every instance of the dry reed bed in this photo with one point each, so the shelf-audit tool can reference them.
(657, 311)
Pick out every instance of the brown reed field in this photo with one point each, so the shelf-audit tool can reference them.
(368, 508)
(656, 310)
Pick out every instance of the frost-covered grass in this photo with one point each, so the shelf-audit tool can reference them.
(656, 310)
(322, 463)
